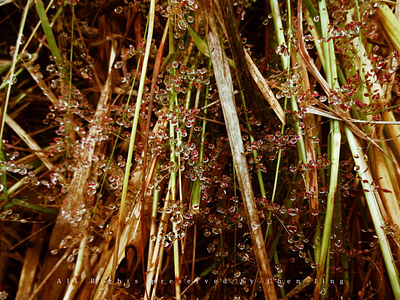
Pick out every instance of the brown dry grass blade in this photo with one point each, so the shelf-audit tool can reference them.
(299, 288)
(50, 275)
(225, 88)
(264, 88)
(32, 256)
(30, 142)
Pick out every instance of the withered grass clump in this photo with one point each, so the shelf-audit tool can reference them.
(199, 149)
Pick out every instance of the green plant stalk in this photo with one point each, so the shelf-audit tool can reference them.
(278, 164)
(340, 233)
(68, 115)
(18, 99)
(301, 147)
(189, 90)
(56, 15)
(324, 290)
(223, 264)
(346, 273)
(47, 30)
(71, 58)
(20, 183)
(196, 196)
(155, 264)
(383, 109)
(377, 219)
(334, 147)
(205, 273)
(314, 14)
(236, 209)
(315, 30)
(251, 137)
(286, 66)
(12, 71)
(171, 42)
(6, 83)
(134, 131)
(276, 16)
(28, 205)
(105, 174)
(153, 226)
(115, 144)
(172, 189)
(5, 68)
(9, 82)
(193, 257)
(281, 288)
(3, 174)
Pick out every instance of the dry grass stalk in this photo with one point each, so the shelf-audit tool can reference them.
(31, 262)
(264, 88)
(30, 142)
(225, 88)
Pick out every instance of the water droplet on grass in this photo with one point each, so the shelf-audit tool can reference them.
(254, 225)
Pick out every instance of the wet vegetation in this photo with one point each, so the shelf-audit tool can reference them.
(199, 149)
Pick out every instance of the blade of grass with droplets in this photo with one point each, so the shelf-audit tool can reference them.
(23, 203)
(196, 192)
(172, 187)
(201, 45)
(285, 60)
(3, 183)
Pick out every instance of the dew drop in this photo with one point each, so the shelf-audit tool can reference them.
(314, 212)
(118, 65)
(207, 232)
(254, 225)
(210, 248)
(190, 19)
(175, 64)
(182, 24)
(323, 98)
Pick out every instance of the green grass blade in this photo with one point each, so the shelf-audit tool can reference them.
(47, 30)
